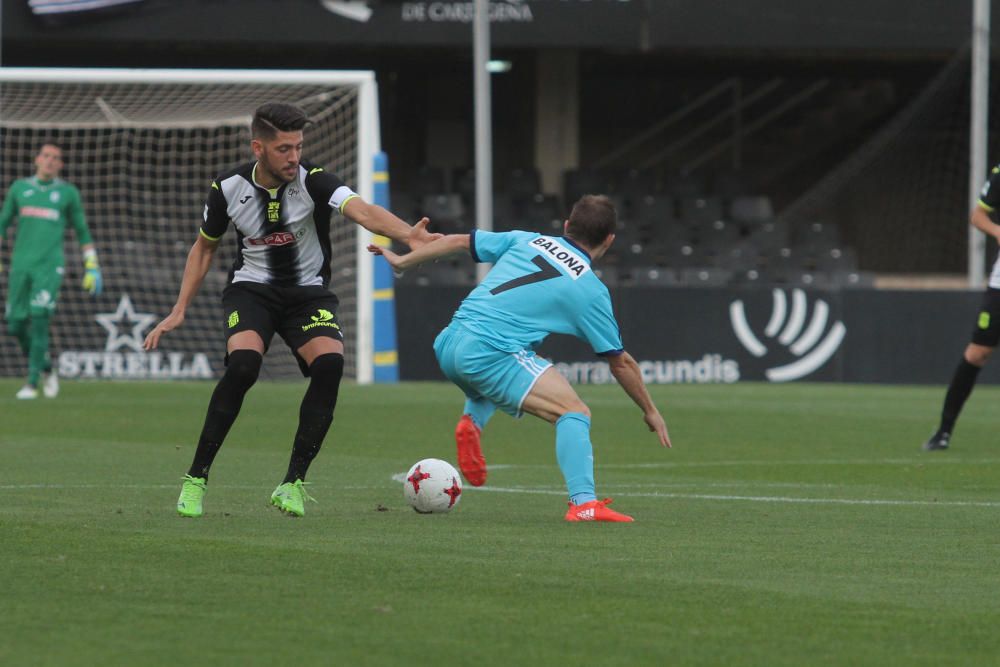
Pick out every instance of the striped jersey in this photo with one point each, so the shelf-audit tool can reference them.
(43, 209)
(282, 234)
(989, 199)
(538, 285)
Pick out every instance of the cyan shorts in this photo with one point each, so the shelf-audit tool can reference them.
(482, 371)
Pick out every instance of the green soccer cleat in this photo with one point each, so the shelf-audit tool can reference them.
(291, 498)
(192, 492)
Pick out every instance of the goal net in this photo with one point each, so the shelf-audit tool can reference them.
(142, 146)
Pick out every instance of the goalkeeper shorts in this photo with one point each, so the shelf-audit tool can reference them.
(33, 292)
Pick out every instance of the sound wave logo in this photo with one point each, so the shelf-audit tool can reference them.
(792, 332)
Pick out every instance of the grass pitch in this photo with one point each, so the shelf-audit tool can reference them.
(790, 525)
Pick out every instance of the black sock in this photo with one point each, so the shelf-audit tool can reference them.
(227, 399)
(316, 412)
(961, 386)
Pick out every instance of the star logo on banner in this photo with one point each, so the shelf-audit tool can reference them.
(124, 319)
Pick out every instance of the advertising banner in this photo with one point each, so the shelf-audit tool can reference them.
(782, 334)
(311, 23)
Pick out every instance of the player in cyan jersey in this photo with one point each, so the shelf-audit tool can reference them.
(538, 285)
(986, 333)
(43, 205)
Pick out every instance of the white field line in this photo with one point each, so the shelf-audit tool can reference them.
(625, 490)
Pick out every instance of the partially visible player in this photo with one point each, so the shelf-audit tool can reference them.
(43, 205)
(281, 207)
(986, 333)
(538, 285)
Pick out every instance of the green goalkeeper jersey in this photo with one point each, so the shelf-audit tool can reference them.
(43, 209)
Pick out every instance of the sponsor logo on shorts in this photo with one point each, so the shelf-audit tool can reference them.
(277, 238)
(322, 318)
(43, 299)
(984, 320)
(234, 319)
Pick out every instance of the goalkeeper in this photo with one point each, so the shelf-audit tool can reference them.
(43, 205)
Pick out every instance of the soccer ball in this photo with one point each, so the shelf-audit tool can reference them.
(432, 485)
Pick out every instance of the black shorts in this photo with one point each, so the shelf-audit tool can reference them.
(297, 314)
(987, 331)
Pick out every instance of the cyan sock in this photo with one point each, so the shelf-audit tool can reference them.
(480, 410)
(575, 454)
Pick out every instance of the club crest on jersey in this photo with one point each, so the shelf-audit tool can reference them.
(274, 211)
(568, 260)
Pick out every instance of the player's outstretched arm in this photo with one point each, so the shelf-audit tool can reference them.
(441, 247)
(626, 371)
(199, 261)
(378, 220)
(980, 219)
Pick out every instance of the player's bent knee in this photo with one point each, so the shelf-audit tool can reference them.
(978, 355)
(327, 368)
(244, 367)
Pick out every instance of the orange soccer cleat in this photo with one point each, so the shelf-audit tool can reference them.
(470, 455)
(596, 510)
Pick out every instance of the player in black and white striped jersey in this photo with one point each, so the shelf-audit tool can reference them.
(986, 334)
(280, 207)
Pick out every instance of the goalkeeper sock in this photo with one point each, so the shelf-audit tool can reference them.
(19, 330)
(38, 358)
(480, 410)
(961, 386)
(316, 413)
(242, 370)
(575, 454)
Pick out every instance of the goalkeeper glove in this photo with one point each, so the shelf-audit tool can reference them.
(92, 281)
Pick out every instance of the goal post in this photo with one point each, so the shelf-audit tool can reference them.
(142, 146)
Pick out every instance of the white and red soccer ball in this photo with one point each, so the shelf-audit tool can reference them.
(432, 486)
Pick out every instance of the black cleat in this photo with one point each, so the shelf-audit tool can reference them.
(939, 440)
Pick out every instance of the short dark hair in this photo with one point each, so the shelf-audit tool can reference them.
(592, 220)
(48, 142)
(274, 117)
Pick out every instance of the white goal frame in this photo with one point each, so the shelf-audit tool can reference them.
(368, 144)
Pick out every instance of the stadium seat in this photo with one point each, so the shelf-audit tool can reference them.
(705, 277)
(583, 181)
(540, 213)
(717, 235)
(428, 181)
(769, 236)
(730, 184)
(836, 259)
(853, 279)
(684, 186)
(654, 212)
(446, 211)
(654, 276)
(815, 234)
(751, 210)
(523, 183)
(698, 210)
(741, 256)
(635, 184)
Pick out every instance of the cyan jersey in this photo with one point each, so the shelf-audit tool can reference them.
(537, 286)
